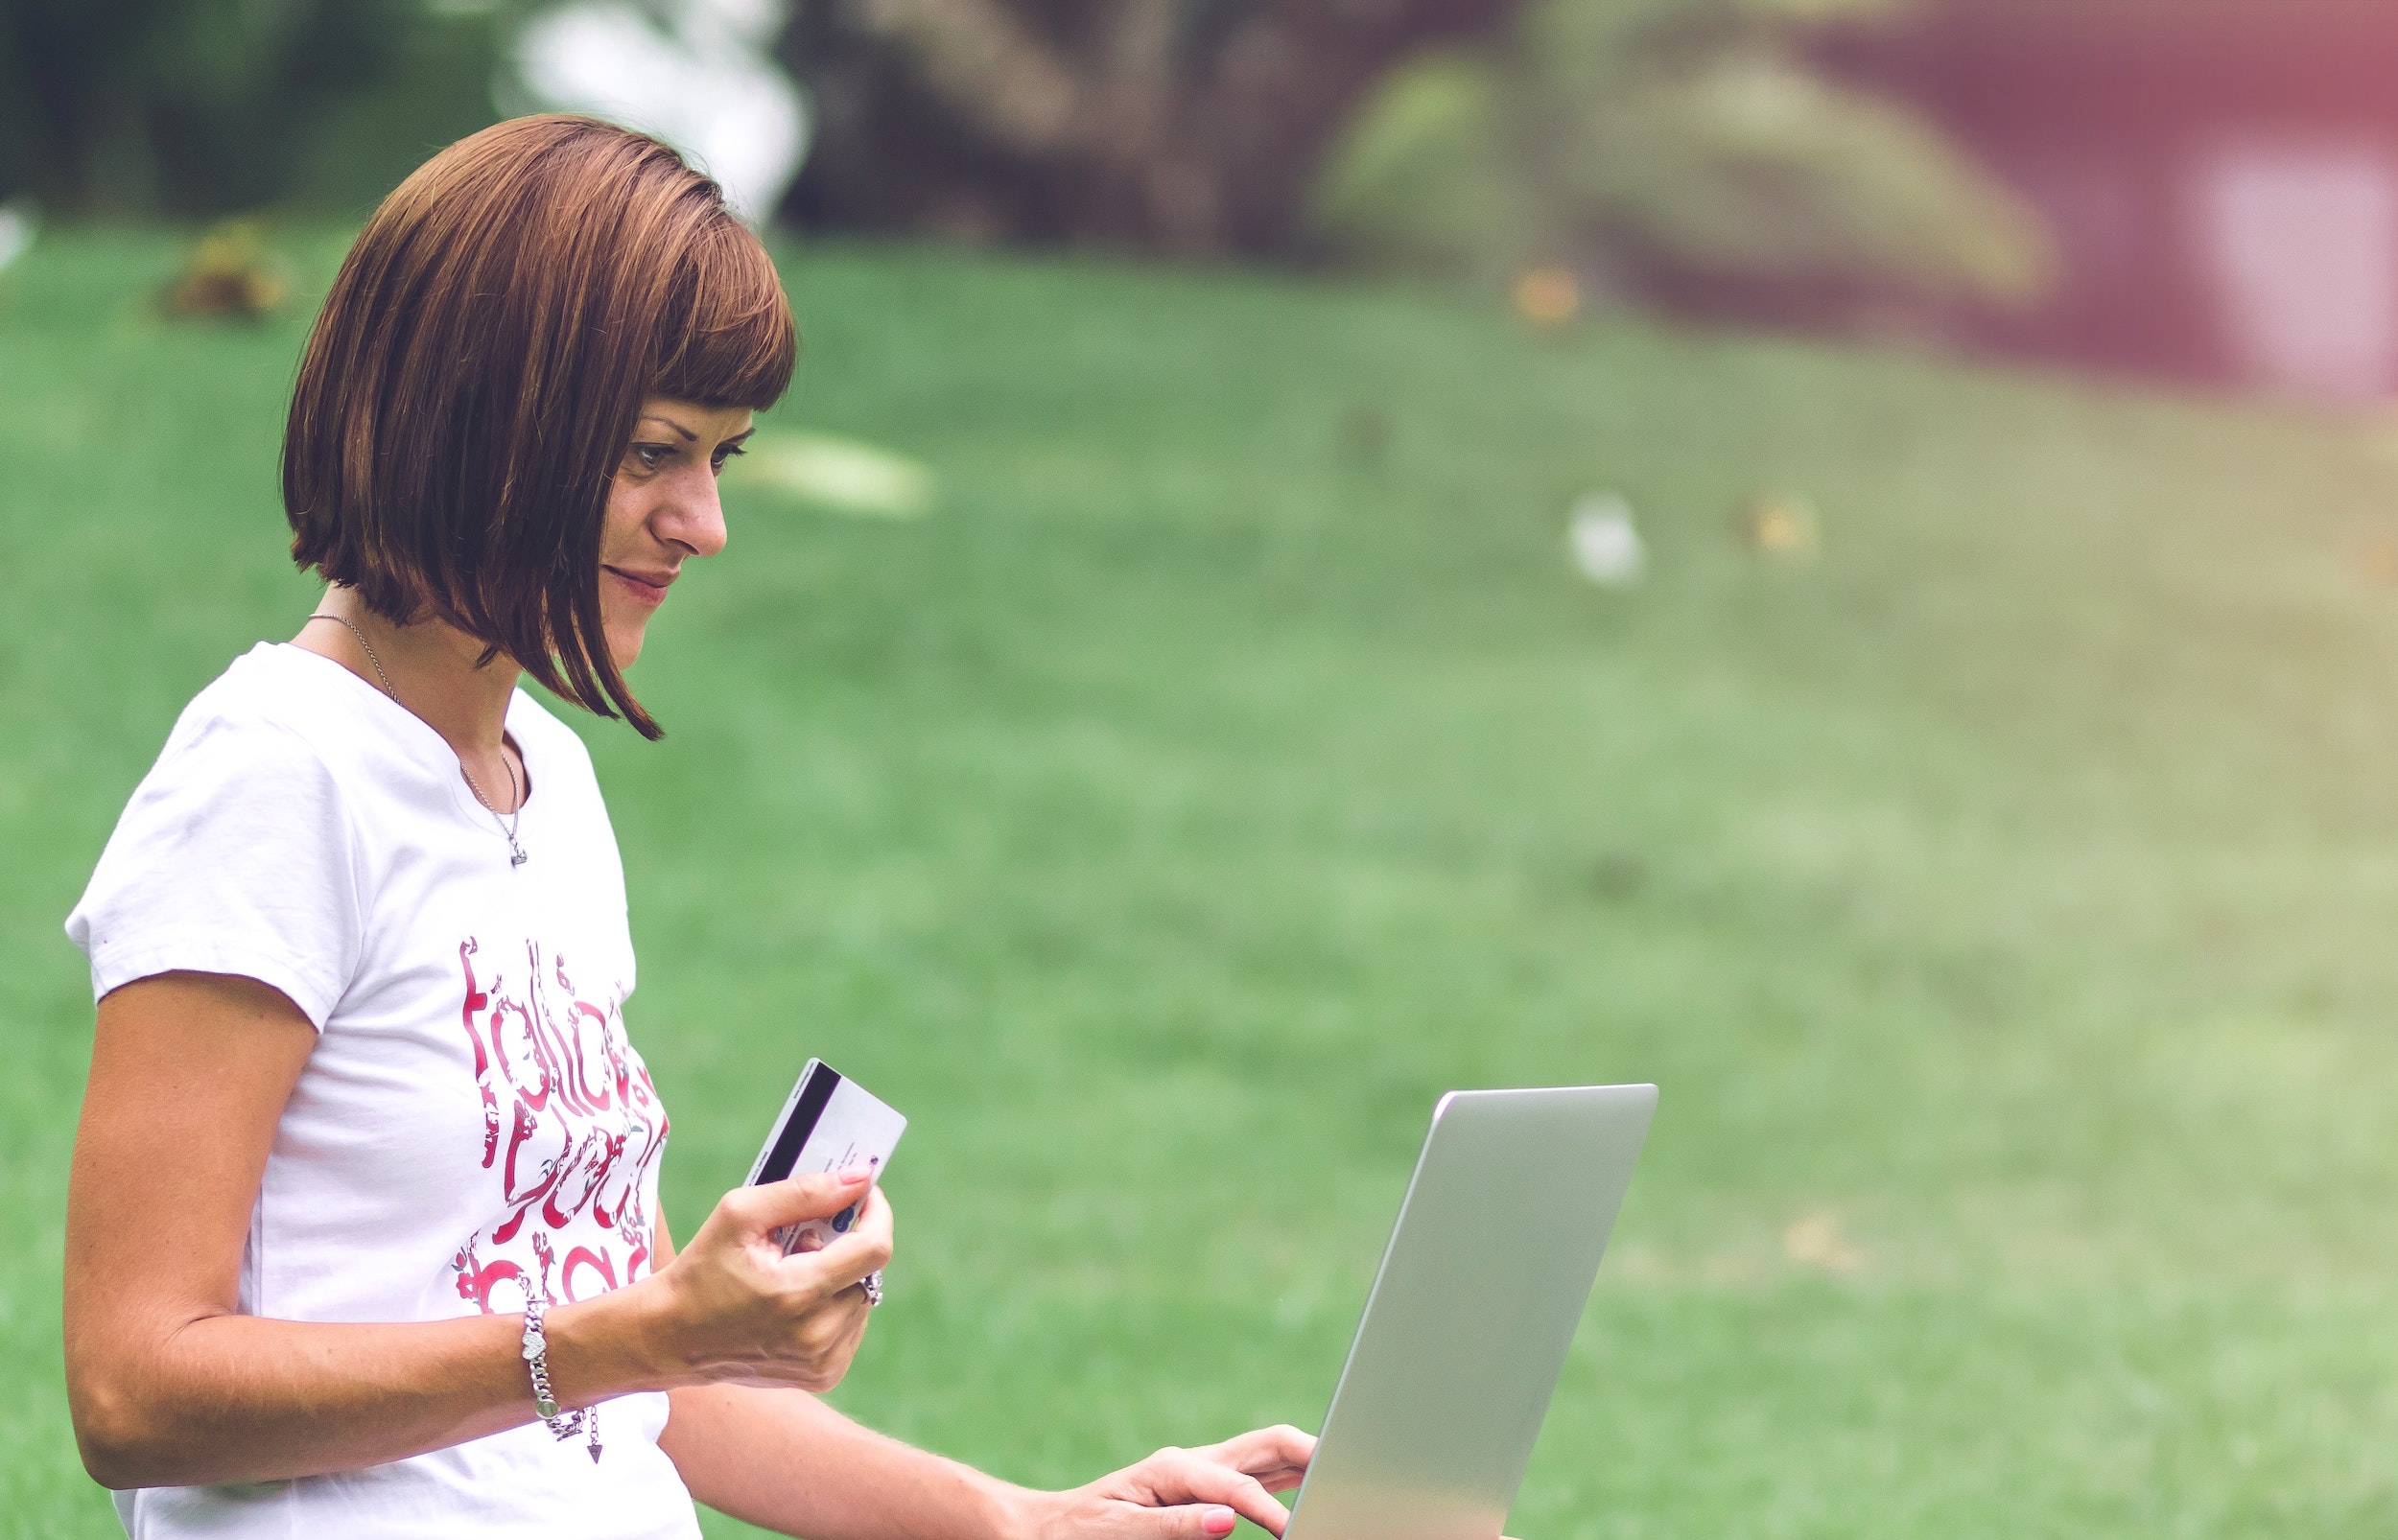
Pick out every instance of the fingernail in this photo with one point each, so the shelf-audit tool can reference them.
(852, 1173)
(1219, 1520)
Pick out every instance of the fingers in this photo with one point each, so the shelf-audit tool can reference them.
(837, 1347)
(1195, 1522)
(865, 1249)
(1277, 1457)
(1190, 1476)
(812, 1346)
(746, 1312)
(873, 1218)
(819, 1195)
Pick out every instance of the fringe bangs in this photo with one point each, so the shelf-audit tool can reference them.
(727, 339)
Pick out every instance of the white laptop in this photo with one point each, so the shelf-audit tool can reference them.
(1485, 1279)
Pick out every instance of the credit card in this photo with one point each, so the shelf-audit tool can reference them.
(829, 1123)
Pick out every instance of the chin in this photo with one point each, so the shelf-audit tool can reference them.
(625, 646)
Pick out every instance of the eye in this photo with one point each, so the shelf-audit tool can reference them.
(725, 453)
(652, 457)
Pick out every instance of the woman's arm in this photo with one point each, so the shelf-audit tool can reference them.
(785, 1461)
(169, 1386)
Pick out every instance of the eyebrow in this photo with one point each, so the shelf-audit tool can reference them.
(688, 436)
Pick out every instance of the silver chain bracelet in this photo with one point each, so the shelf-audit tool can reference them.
(562, 1425)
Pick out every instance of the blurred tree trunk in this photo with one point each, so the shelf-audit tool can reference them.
(1182, 125)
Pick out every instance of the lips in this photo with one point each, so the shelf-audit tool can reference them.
(649, 588)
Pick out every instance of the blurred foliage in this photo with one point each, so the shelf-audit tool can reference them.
(197, 108)
(1176, 125)
(1675, 149)
(1668, 148)
(1186, 126)
(229, 272)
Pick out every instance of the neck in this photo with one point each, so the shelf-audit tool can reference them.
(433, 669)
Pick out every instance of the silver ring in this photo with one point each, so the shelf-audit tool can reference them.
(872, 1283)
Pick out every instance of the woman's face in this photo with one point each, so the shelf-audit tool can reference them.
(661, 511)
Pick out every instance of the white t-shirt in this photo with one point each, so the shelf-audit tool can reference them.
(472, 1122)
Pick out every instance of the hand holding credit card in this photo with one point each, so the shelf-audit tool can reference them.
(829, 1123)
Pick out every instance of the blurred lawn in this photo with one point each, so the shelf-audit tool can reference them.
(2004, 903)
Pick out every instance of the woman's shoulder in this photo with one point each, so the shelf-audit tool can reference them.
(239, 852)
(262, 712)
(277, 688)
(282, 705)
(276, 739)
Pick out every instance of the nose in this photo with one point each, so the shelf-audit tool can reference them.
(695, 518)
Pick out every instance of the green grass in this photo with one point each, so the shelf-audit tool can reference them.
(2005, 900)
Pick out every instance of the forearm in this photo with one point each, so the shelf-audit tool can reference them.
(229, 1397)
(784, 1460)
(170, 1386)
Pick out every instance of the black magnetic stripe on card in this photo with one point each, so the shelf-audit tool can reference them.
(802, 1122)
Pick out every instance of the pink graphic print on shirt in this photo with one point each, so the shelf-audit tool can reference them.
(570, 1128)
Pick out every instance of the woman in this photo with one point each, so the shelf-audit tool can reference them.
(364, 1234)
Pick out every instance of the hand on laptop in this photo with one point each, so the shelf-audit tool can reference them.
(1189, 1494)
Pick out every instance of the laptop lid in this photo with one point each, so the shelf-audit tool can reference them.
(1484, 1280)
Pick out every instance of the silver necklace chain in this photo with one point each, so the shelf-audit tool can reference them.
(506, 821)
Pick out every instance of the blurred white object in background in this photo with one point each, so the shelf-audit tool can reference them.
(2300, 241)
(839, 474)
(18, 226)
(1605, 543)
(699, 74)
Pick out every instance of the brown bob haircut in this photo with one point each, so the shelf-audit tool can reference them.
(477, 372)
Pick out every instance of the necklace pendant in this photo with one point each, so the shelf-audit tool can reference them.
(516, 855)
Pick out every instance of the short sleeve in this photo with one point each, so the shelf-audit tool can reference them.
(236, 855)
